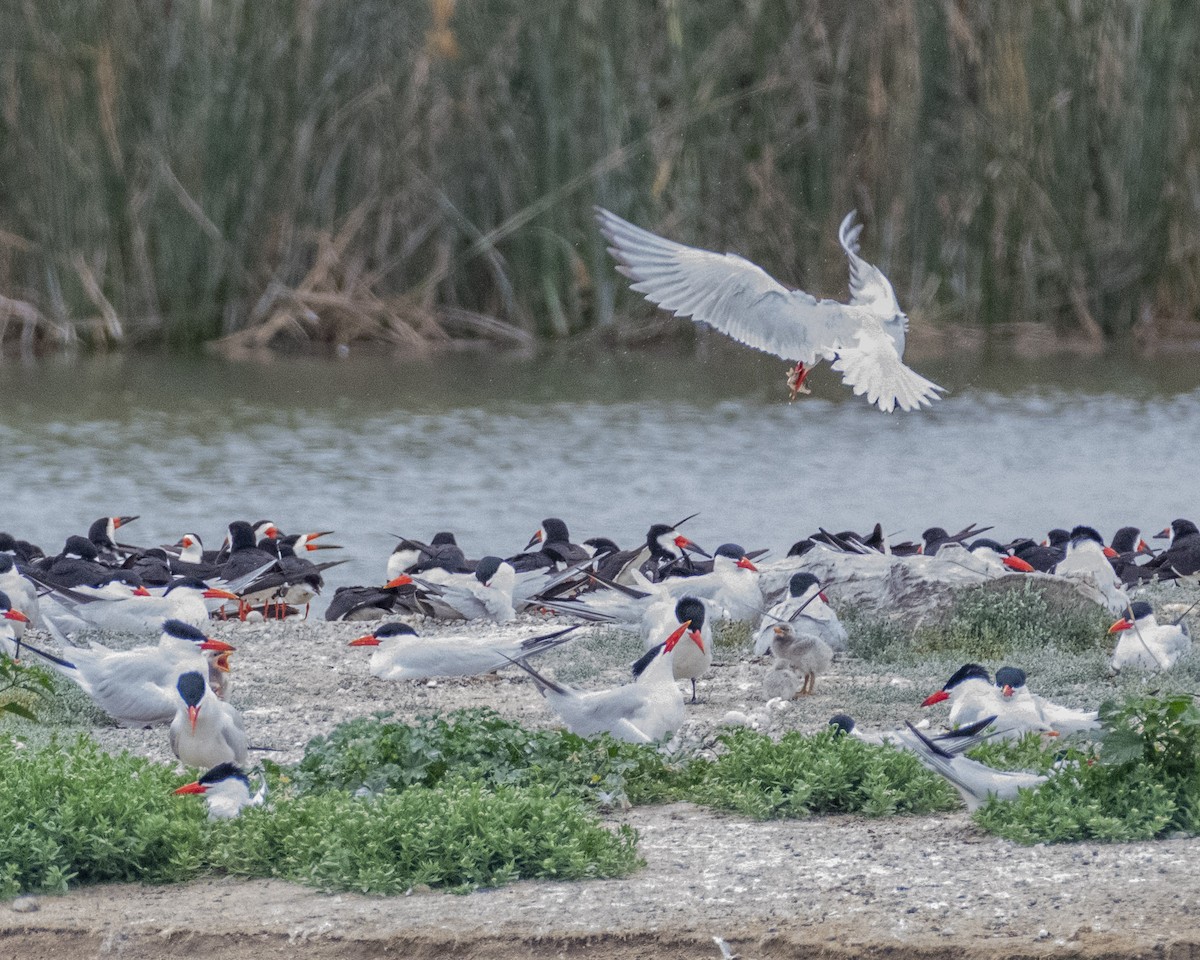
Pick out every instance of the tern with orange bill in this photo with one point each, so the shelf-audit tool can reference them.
(647, 710)
(205, 731)
(226, 791)
(137, 687)
(403, 655)
(1146, 644)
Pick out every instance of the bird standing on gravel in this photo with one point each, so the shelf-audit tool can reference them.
(205, 731)
(806, 655)
(690, 660)
(807, 609)
(864, 338)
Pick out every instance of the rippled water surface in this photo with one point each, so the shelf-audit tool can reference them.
(488, 447)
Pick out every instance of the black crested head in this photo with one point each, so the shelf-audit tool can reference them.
(394, 629)
(81, 547)
(5, 603)
(1182, 528)
(968, 671)
(801, 583)
(1058, 537)
(98, 531)
(842, 723)
(183, 631)
(732, 551)
(1010, 677)
(985, 543)
(1085, 533)
(602, 546)
(8, 543)
(1140, 609)
(690, 608)
(486, 568)
(186, 583)
(801, 547)
(555, 531)
(934, 533)
(443, 538)
(191, 687)
(1125, 540)
(224, 771)
(241, 536)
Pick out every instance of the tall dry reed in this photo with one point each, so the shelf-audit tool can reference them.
(415, 170)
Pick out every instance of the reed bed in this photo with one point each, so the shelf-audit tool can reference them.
(421, 172)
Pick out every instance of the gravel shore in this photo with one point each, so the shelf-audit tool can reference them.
(927, 886)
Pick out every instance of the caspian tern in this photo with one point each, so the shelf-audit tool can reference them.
(142, 612)
(205, 731)
(1020, 711)
(692, 657)
(864, 338)
(402, 655)
(12, 628)
(226, 791)
(807, 609)
(485, 594)
(649, 709)
(1146, 644)
(137, 687)
(971, 694)
(975, 782)
(732, 587)
(20, 589)
(805, 654)
(955, 741)
(1087, 559)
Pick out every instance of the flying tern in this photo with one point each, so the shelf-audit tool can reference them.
(864, 338)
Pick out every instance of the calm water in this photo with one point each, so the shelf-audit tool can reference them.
(488, 447)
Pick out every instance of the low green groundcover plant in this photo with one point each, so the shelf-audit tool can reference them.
(1144, 783)
(798, 776)
(983, 624)
(479, 746)
(76, 814)
(474, 800)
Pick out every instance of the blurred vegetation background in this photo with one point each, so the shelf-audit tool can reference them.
(421, 171)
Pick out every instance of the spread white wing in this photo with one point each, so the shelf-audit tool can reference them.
(868, 285)
(872, 367)
(728, 292)
(743, 301)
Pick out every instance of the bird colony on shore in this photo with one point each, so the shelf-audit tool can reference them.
(668, 588)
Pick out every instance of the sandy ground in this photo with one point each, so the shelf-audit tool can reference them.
(897, 887)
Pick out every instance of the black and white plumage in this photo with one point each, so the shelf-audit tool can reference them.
(807, 609)
(205, 730)
(864, 338)
(1146, 644)
(226, 791)
(976, 782)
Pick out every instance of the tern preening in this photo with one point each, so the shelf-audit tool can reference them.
(864, 338)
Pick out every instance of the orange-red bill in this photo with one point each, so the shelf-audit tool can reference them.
(196, 787)
(935, 698)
